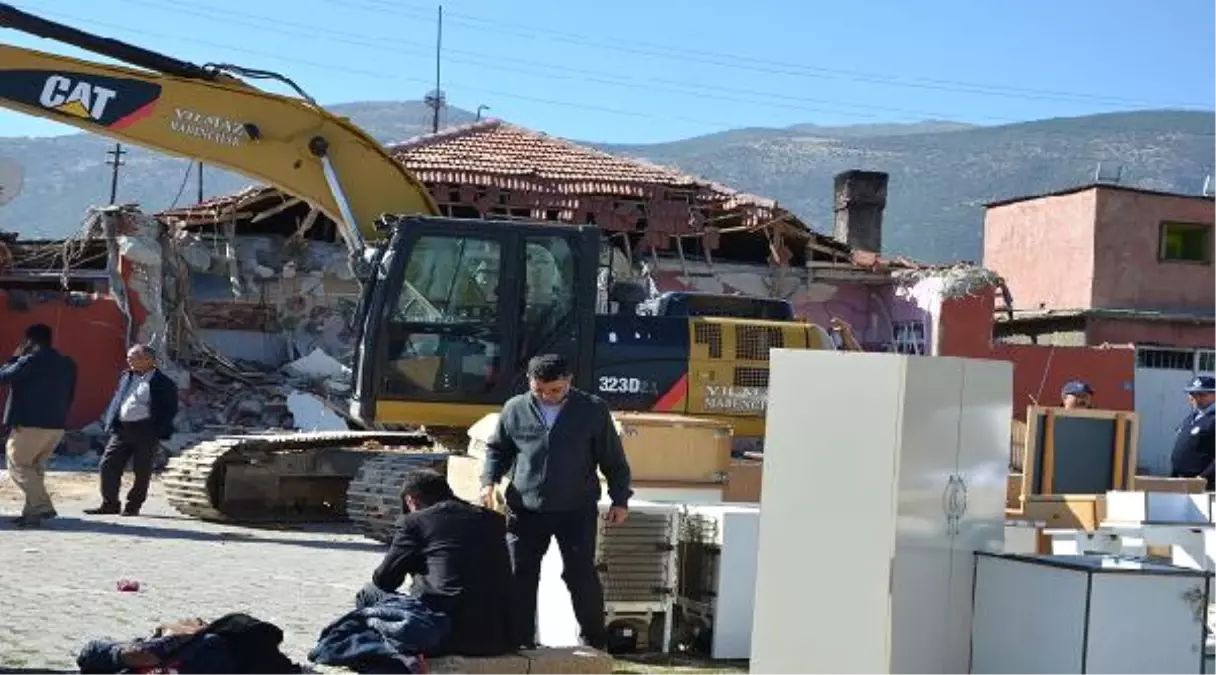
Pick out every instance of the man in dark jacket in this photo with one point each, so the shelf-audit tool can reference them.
(139, 415)
(556, 437)
(456, 553)
(1194, 452)
(42, 384)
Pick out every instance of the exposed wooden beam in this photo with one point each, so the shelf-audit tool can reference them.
(275, 210)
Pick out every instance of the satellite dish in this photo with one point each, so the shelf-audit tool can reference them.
(11, 176)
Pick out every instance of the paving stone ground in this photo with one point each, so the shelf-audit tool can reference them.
(58, 583)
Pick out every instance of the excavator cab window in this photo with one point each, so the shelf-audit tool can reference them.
(444, 335)
(459, 306)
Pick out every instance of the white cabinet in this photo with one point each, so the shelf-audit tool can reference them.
(1087, 614)
(883, 473)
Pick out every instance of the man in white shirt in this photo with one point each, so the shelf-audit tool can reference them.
(140, 414)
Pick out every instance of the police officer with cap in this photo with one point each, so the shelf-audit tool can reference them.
(1076, 394)
(1194, 449)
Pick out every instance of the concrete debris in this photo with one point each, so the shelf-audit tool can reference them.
(319, 367)
(312, 414)
(954, 281)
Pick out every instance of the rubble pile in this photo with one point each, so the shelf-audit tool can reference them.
(230, 398)
(200, 289)
(301, 290)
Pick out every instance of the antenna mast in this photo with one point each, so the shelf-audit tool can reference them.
(435, 99)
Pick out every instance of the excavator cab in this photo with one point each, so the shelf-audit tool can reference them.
(454, 309)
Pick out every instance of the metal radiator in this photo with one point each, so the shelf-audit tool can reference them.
(637, 559)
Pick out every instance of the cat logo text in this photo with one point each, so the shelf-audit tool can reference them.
(78, 98)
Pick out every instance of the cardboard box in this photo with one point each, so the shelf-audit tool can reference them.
(743, 480)
(567, 660)
(1013, 491)
(508, 664)
(675, 448)
(1162, 484)
(1066, 512)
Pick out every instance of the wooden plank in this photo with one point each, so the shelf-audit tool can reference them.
(1121, 452)
(1163, 484)
(275, 210)
(1049, 451)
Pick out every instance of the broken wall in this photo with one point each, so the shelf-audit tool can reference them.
(883, 316)
(269, 298)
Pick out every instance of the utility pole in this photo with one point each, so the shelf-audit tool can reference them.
(200, 183)
(115, 162)
(435, 99)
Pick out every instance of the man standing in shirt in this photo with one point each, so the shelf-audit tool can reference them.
(554, 439)
(140, 414)
(42, 384)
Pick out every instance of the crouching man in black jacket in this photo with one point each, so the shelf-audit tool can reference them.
(555, 438)
(456, 554)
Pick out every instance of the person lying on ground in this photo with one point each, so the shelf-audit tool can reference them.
(456, 554)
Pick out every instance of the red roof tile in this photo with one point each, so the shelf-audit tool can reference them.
(497, 152)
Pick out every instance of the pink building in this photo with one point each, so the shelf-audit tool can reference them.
(1110, 264)
(1105, 264)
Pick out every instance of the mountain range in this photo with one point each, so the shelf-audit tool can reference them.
(942, 172)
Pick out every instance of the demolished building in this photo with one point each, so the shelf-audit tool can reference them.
(256, 298)
(233, 289)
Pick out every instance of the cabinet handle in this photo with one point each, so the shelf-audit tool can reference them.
(962, 493)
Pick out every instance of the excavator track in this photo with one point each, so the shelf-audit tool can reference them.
(299, 477)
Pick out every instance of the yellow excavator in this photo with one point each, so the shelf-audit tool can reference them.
(451, 309)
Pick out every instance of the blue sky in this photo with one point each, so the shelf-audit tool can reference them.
(644, 71)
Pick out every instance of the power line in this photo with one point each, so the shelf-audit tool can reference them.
(491, 61)
(115, 161)
(382, 75)
(763, 65)
(230, 17)
(494, 61)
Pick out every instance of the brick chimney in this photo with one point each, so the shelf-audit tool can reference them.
(861, 197)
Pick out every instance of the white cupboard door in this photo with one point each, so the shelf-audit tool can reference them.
(986, 411)
(920, 581)
(1029, 618)
(1146, 623)
(829, 467)
(986, 408)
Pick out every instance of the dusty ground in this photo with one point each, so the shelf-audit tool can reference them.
(58, 584)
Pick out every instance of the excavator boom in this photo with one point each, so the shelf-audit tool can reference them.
(204, 114)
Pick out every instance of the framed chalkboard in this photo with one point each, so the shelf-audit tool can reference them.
(1078, 452)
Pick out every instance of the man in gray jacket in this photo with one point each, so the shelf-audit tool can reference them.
(554, 439)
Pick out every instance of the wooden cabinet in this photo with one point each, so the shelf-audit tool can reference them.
(1087, 614)
(883, 474)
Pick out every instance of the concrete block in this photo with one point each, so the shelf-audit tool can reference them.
(564, 660)
(511, 664)
(568, 660)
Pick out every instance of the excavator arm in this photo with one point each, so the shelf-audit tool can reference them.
(206, 114)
